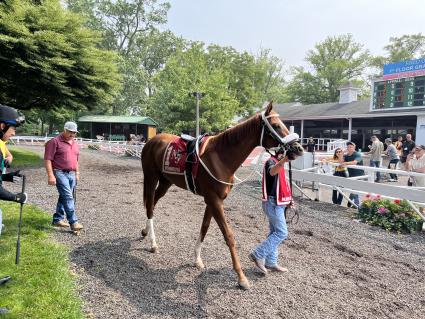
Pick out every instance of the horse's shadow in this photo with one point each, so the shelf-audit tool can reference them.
(153, 290)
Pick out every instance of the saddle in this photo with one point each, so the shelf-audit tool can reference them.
(180, 158)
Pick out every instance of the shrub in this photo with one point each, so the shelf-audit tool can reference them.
(396, 215)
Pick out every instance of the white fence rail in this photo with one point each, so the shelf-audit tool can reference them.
(414, 195)
(115, 147)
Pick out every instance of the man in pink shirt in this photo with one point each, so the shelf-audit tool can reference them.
(61, 162)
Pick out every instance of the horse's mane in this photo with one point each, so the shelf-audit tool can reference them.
(236, 134)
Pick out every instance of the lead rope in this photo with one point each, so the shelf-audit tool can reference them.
(296, 215)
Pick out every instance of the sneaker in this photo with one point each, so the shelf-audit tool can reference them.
(61, 223)
(277, 268)
(259, 263)
(76, 226)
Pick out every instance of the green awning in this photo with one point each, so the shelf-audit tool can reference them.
(117, 119)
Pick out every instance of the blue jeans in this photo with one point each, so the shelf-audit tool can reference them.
(355, 199)
(268, 249)
(393, 162)
(376, 164)
(65, 183)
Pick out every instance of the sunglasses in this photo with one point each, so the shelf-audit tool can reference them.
(338, 152)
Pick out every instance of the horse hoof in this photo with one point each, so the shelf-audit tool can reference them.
(144, 233)
(244, 284)
(200, 265)
(154, 249)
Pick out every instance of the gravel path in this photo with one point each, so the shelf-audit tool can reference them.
(338, 268)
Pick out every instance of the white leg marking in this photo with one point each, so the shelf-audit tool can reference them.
(198, 259)
(151, 234)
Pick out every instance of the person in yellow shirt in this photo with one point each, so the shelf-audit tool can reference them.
(9, 120)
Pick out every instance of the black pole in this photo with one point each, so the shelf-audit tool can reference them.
(18, 243)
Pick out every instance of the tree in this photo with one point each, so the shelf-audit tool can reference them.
(406, 47)
(122, 21)
(129, 28)
(48, 59)
(334, 61)
(253, 79)
(188, 71)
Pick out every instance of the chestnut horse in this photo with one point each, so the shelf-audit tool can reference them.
(222, 154)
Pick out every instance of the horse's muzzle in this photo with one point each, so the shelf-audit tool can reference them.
(295, 149)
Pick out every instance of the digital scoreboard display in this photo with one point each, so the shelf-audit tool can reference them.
(399, 93)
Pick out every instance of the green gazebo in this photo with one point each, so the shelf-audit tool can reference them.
(117, 128)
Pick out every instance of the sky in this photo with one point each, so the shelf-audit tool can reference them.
(289, 28)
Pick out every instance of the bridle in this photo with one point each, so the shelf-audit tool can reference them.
(284, 142)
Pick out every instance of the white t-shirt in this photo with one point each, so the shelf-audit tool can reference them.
(418, 163)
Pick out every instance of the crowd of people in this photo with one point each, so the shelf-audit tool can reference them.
(404, 151)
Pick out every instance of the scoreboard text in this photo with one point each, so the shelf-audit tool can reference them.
(404, 92)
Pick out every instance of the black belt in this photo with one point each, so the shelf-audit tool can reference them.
(65, 170)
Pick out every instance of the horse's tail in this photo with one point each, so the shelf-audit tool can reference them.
(145, 185)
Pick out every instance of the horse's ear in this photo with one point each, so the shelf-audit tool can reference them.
(269, 107)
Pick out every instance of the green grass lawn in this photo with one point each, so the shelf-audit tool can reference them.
(42, 285)
(24, 158)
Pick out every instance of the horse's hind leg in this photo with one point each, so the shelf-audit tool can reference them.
(151, 200)
(204, 228)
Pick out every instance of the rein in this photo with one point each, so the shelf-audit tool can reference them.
(265, 123)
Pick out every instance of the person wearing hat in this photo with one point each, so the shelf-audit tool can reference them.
(61, 161)
(9, 120)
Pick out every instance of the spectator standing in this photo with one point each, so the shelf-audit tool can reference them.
(416, 163)
(340, 171)
(311, 145)
(394, 158)
(408, 146)
(61, 162)
(353, 158)
(376, 151)
(399, 145)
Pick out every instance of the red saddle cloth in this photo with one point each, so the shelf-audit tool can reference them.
(175, 158)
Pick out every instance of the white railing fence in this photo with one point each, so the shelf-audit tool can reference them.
(114, 147)
(364, 184)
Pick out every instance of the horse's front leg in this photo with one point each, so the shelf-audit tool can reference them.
(204, 228)
(218, 213)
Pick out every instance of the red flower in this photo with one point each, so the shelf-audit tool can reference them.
(378, 196)
(397, 201)
(367, 195)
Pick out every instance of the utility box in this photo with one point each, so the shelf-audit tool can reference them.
(303, 162)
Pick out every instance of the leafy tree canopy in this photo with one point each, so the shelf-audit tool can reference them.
(333, 62)
(189, 71)
(50, 60)
(406, 47)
